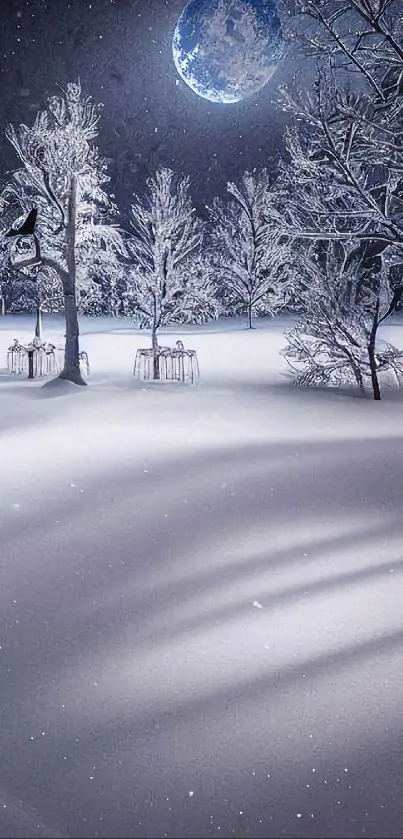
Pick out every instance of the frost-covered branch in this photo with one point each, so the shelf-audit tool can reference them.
(64, 177)
(246, 251)
(335, 340)
(166, 284)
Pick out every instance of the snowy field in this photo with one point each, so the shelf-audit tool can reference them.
(201, 623)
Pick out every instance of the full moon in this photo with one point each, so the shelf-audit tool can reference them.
(226, 50)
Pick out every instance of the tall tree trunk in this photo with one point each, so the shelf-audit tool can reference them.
(38, 325)
(154, 340)
(156, 361)
(71, 370)
(371, 354)
(250, 315)
(3, 306)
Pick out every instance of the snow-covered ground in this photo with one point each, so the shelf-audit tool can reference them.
(200, 597)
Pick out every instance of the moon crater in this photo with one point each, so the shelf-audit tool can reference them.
(227, 50)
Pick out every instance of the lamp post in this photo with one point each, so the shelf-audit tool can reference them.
(31, 351)
(38, 325)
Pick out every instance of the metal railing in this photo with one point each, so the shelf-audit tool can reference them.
(173, 364)
(34, 359)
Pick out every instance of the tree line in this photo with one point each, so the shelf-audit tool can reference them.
(323, 233)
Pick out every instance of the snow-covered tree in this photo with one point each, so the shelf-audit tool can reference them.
(334, 342)
(320, 209)
(341, 185)
(17, 292)
(346, 153)
(200, 290)
(37, 292)
(101, 286)
(64, 177)
(344, 179)
(246, 253)
(165, 285)
(7, 280)
(48, 290)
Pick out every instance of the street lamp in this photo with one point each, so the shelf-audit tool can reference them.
(39, 301)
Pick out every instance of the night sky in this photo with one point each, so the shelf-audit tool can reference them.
(121, 50)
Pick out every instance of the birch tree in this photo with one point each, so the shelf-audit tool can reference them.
(164, 284)
(64, 177)
(245, 251)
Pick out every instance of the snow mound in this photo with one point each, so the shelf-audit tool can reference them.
(59, 387)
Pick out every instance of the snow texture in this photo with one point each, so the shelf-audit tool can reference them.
(201, 625)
